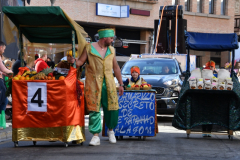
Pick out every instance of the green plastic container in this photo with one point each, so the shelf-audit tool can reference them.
(2, 120)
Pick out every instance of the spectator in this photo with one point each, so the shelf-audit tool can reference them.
(13, 60)
(66, 64)
(36, 56)
(40, 63)
(3, 103)
(30, 63)
(50, 63)
(8, 63)
(17, 64)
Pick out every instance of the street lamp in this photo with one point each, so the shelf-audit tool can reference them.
(52, 2)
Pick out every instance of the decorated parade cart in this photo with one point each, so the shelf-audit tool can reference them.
(46, 107)
(218, 108)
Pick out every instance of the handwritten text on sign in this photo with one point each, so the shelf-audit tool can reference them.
(136, 114)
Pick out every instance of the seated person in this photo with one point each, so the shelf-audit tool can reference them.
(211, 65)
(69, 62)
(30, 63)
(166, 70)
(135, 79)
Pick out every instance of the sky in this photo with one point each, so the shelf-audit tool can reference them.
(20, 2)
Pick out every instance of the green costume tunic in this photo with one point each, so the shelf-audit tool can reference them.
(111, 117)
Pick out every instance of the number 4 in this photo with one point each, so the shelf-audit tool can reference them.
(39, 101)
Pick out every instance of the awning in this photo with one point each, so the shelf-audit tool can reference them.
(211, 41)
(43, 26)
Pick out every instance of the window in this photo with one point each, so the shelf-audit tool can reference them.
(236, 22)
(174, 2)
(223, 7)
(199, 6)
(198, 61)
(187, 5)
(211, 6)
(151, 67)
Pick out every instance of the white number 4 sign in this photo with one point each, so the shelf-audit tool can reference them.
(37, 96)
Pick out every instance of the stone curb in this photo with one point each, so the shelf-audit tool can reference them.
(5, 135)
(237, 134)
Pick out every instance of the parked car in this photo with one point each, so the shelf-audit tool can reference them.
(167, 84)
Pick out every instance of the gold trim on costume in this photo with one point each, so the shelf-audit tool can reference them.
(95, 73)
(64, 134)
(105, 29)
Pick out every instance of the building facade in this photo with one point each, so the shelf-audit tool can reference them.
(237, 18)
(11, 49)
(208, 16)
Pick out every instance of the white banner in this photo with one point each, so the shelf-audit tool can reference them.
(37, 96)
(108, 10)
(112, 10)
(124, 11)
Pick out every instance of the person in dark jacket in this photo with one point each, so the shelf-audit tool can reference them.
(36, 56)
(17, 64)
(50, 63)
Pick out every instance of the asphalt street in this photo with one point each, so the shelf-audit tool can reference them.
(169, 143)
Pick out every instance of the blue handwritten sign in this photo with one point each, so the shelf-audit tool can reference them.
(136, 114)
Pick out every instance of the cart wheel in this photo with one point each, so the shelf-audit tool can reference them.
(34, 143)
(16, 144)
(116, 137)
(121, 137)
(81, 143)
(139, 138)
(229, 137)
(144, 138)
(188, 136)
(66, 144)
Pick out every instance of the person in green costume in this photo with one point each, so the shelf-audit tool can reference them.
(100, 87)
